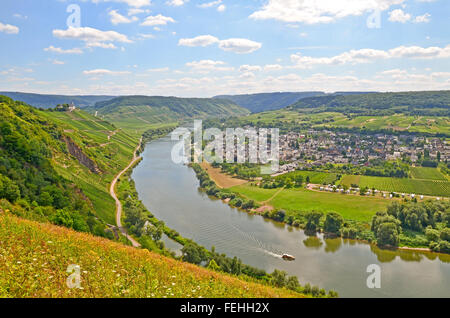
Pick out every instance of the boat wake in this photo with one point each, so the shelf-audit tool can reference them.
(270, 250)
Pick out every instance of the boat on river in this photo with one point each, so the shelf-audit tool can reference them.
(288, 257)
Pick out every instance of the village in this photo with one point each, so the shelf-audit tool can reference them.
(318, 148)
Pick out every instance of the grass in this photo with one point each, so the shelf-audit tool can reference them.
(398, 122)
(351, 207)
(315, 177)
(401, 185)
(427, 173)
(34, 258)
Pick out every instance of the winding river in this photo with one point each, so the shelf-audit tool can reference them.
(170, 192)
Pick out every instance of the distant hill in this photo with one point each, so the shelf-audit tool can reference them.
(50, 101)
(433, 103)
(135, 112)
(257, 103)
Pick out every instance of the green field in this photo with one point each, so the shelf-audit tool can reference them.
(315, 177)
(427, 173)
(399, 122)
(401, 185)
(351, 207)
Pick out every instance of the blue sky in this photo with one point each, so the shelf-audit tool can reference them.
(205, 47)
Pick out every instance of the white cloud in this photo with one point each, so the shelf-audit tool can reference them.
(423, 18)
(158, 70)
(131, 3)
(176, 3)
(135, 11)
(157, 20)
(210, 4)
(370, 55)
(417, 52)
(319, 11)
(62, 51)
(273, 67)
(117, 18)
(91, 35)
(102, 45)
(8, 28)
(205, 66)
(398, 15)
(58, 62)
(105, 72)
(202, 40)
(239, 46)
(221, 8)
(250, 68)
(146, 36)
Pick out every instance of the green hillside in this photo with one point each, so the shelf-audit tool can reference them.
(35, 166)
(257, 103)
(34, 258)
(138, 113)
(50, 101)
(430, 103)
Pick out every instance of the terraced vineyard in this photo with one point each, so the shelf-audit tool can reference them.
(425, 187)
(315, 177)
(427, 173)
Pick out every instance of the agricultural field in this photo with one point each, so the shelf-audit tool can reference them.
(401, 185)
(315, 177)
(399, 122)
(351, 207)
(427, 173)
(35, 257)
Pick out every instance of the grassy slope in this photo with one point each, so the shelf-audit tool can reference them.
(399, 122)
(351, 207)
(111, 155)
(137, 114)
(34, 258)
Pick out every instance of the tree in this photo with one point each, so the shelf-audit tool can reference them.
(193, 253)
(312, 220)
(388, 234)
(432, 234)
(292, 283)
(333, 223)
(278, 278)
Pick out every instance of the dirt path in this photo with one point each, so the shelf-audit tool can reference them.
(113, 194)
(273, 196)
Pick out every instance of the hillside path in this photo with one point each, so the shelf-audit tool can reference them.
(113, 194)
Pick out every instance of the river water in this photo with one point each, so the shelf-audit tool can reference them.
(170, 192)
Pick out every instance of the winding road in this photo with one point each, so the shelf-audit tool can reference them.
(113, 194)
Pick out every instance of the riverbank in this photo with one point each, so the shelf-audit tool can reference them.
(192, 252)
(171, 192)
(268, 211)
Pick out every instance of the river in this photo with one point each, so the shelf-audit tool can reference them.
(170, 192)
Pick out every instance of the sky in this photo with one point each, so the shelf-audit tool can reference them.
(203, 48)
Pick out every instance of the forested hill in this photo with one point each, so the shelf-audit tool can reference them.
(50, 101)
(257, 103)
(432, 103)
(28, 178)
(138, 112)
